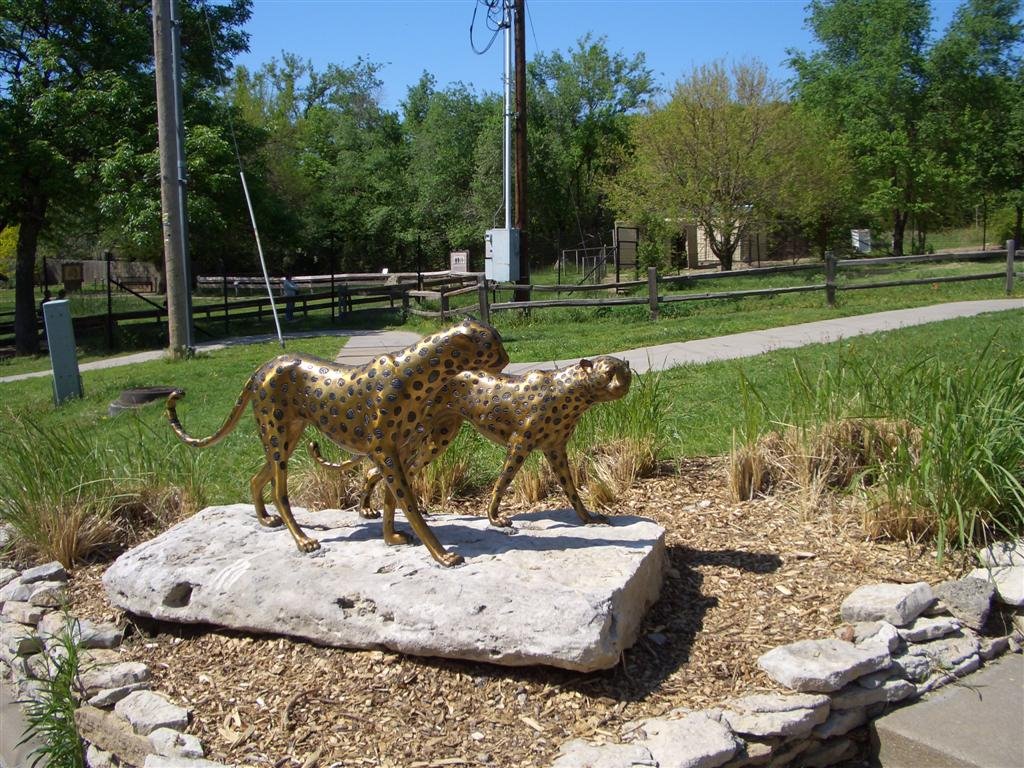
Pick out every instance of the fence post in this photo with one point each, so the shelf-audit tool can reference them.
(830, 278)
(481, 293)
(444, 306)
(342, 301)
(652, 291)
(405, 301)
(224, 289)
(108, 257)
(1010, 256)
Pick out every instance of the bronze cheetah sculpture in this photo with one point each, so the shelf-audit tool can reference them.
(538, 410)
(367, 410)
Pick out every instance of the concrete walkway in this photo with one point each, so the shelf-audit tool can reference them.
(363, 346)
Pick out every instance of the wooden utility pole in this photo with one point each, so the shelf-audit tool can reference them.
(519, 29)
(167, 55)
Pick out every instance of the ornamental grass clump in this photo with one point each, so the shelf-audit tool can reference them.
(934, 450)
(67, 495)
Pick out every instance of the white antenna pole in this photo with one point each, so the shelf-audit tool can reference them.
(507, 146)
(263, 263)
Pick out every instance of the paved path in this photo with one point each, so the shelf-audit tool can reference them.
(787, 337)
(363, 346)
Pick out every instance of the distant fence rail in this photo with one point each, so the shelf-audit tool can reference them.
(431, 294)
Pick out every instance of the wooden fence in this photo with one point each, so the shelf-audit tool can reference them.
(830, 284)
(344, 293)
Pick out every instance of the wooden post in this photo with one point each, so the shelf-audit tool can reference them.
(1010, 256)
(342, 301)
(830, 278)
(481, 293)
(444, 306)
(652, 291)
(405, 302)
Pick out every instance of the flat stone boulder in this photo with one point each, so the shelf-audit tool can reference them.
(923, 629)
(697, 740)
(1008, 581)
(147, 711)
(968, 599)
(822, 666)
(772, 714)
(554, 592)
(898, 604)
(49, 572)
(582, 754)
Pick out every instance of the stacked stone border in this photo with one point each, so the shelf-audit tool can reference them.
(899, 642)
(122, 721)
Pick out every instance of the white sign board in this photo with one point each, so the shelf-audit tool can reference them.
(459, 261)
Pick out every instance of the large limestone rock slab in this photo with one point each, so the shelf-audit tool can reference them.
(554, 592)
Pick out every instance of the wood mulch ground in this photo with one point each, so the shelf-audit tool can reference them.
(743, 578)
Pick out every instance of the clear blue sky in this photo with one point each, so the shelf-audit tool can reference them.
(408, 37)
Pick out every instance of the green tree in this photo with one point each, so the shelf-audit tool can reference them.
(579, 111)
(974, 103)
(869, 81)
(75, 85)
(724, 153)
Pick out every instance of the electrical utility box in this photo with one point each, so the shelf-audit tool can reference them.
(501, 255)
(60, 338)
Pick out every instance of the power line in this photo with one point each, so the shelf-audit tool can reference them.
(494, 21)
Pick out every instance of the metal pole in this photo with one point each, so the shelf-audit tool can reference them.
(263, 262)
(182, 186)
(506, 155)
(171, 186)
(519, 19)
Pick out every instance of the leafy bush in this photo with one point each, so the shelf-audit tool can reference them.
(50, 716)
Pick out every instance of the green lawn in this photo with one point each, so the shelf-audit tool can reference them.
(703, 402)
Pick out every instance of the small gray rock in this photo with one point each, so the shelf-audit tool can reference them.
(581, 754)
(1002, 553)
(878, 679)
(694, 741)
(146, 711)
(876, 633)
(967, 599)
(106, 677)
(946, 676)
(160, 761)
(108, 697)
(7, 575)
(991, 647)
(949, 651)
(765, 715)
(821, 665)
(23, 613)
(171, 743)
(911, 667)
(855, 696)
(1008, 581)
(15, 590)
(921, 629)
(19, 640)
(840, 722)
(47, 594)
(49, 572)
(898, 604)
(86, 634)
(97, 758)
